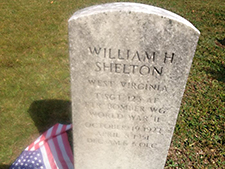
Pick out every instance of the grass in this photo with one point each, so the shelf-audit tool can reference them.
(35, 82)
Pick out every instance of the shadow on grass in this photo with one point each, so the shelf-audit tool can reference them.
(2, 166)
(218, 73)
(46, 113)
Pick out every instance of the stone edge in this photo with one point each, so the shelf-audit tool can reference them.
(128, 7)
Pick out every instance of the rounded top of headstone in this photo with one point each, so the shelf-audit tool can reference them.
(128, 7)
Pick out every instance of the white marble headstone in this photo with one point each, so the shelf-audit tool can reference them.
(129, 66)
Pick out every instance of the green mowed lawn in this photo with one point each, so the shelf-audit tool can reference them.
(35, 78)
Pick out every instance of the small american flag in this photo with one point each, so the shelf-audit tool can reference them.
(50, 151)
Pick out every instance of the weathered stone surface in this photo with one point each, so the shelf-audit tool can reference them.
(129, 67)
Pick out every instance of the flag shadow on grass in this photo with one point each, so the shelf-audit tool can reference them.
(46, 113)
(3, 166)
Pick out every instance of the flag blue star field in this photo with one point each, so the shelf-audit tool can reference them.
(50, 151)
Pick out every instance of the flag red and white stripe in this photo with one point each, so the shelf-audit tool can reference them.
(54, 148)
